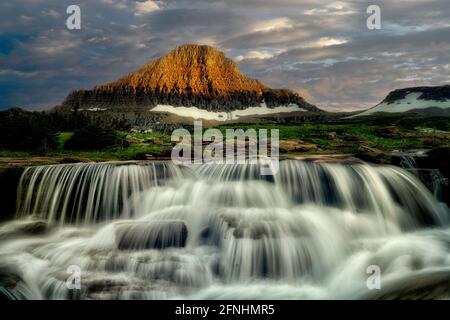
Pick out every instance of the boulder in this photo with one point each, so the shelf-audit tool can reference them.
(296, 146)
(388, 132)
(352, 138)
(331, 135)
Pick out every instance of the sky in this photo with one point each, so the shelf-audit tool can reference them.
(319, 48)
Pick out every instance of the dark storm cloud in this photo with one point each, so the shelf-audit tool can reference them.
(320, 48)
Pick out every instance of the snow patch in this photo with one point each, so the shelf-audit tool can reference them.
(94, 109)
(196, 113)
(410, 102)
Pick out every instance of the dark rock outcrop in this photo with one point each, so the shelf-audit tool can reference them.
(9, 180)
(439, 93)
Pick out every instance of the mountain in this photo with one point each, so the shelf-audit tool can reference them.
(193, 81)
(418, 99)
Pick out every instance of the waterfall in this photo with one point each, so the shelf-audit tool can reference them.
(408, 160)
(86, 192)
(158, 231)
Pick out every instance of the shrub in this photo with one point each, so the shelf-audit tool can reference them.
(94, 138)
(21, 130)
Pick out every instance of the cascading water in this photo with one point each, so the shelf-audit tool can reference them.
(156, 231)
(88, 193)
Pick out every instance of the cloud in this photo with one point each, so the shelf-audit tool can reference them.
(146, 7)
(273, 24)
(51, 13)
(320, 48)
(254, 54)
(18, 73)
(334, 8)
(324, 42)
(118, 4)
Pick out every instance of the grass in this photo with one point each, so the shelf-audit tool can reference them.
(14, 154)
(316, 133)
(142, 143)
(156, 143)
(130, 153)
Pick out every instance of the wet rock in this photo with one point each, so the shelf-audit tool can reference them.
(151, 235)
(434, 181)
(32, 227)
(10, 279)
(9, 180)
(439, 159)
(373, 155)
(23, 228)
(421, 286)
(438, 156)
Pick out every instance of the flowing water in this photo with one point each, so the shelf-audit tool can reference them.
(159, 231)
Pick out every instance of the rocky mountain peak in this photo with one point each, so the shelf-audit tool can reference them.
(189, 75)
(196, 69)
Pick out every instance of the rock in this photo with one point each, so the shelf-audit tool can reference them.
(429, 285)
(435, 182)
(154, 141)
(12, 286)
(32, 227)
(439, 158)
(296, 146)
(9, 180)
(351, 138)
(372, 155)
(23, 228)
(8, 277)
(331, 135)
(133, 140)
(306, 148)
(439, 154)
(323, 135)
(164, 154)
(388, 132)
(151, 235)
(74, 160)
